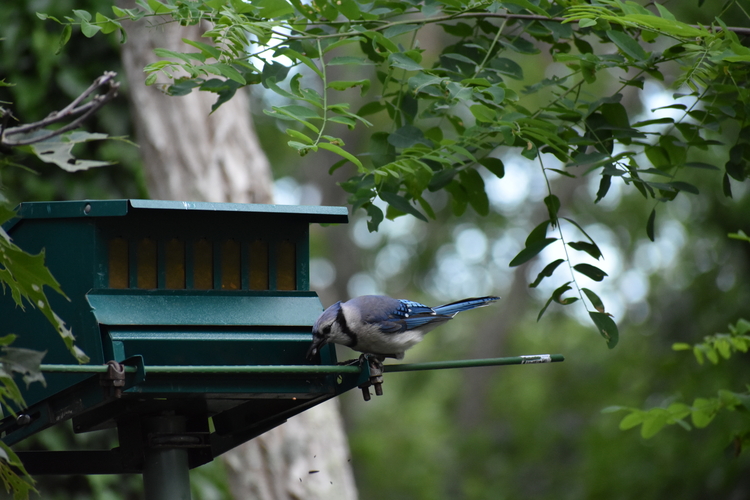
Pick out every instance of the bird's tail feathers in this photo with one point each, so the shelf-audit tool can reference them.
(465, 305)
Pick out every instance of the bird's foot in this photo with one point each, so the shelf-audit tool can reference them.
(375, 364)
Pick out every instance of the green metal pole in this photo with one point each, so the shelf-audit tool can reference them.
(166, 474)
(432, 365)
(472, 363)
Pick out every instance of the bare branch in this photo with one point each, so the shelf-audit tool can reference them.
(75, 110)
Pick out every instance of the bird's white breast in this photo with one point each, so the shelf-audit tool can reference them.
(377, 342)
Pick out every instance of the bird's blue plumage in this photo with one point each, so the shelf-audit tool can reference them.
(376, 324)
(464, 305)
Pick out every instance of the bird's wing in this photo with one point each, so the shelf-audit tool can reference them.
(410, 315)
(464, 305)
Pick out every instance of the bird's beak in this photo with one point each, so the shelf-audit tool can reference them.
(314, 347)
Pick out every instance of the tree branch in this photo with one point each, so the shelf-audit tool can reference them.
(500, 15)
(75, 110)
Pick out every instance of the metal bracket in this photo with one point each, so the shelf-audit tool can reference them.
(113, 380)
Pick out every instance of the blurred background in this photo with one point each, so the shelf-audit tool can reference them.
(504, 432)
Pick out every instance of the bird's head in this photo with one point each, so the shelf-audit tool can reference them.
(324, 330)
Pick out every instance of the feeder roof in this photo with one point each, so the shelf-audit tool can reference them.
(115, 208)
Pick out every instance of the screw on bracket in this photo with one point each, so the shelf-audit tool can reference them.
(113, 380)
(376, 376)
(23, 419)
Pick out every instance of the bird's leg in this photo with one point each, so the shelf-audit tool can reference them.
(375, 363)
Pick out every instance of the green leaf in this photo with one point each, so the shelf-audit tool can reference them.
(607, 327)
(494, 165)
(650, 225)
(349, 60)
(684, 186)
(701, 165)
(7, 340)
(299, 136)
(557, 297)
(401, 204)
(64, 38)
(398, 60)
(592, 272)
(459, 198)
(627, 45)
(538, 233)
(382, 152)
(407, 136)
(474, 185)
(604, 185)
(349, 8)
(546, 272)
(229, 72)
(297, 113)
(108, 25)
(151, 78)
(83, 15)
(586, 22)
(526, 4)
(160, 8)
(483, 113)
(341, 152)
(553, 206)
(120, 12)
(704, 411)
(589, 248)
(88, 29)
(206, 49)
(273, 8)
(530, 251)
(658, 157)
(653, 422)
(663, 12)
(399, 29)
(461, 30)
(376, 217)
(343, 85)
(739, 235)
(631, 420)
(507, 67)
(581, 230)
(595, 300)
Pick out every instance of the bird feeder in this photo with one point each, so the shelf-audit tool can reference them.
(176, 285)
(197, 318)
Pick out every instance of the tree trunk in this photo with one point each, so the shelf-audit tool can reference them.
(192, 155)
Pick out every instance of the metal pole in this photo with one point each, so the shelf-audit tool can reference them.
(432, 365)
(166, 474)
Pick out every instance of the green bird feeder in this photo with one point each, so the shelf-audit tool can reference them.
(197, 318)
(176, 285)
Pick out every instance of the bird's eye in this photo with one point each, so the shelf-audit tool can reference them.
(327, 329)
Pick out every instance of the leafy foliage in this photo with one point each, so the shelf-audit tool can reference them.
(439, 120)
(703, 410)
(26, 362)
(25, 275)
(53, 143)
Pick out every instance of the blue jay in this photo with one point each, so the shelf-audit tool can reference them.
(380, 325)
